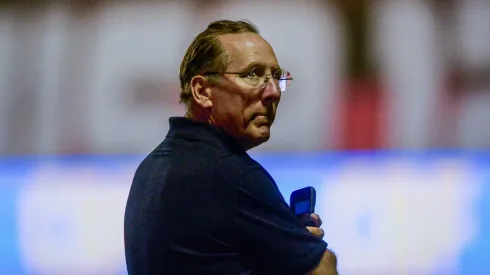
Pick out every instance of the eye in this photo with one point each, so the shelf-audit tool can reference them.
(254, 73)
(278, 74)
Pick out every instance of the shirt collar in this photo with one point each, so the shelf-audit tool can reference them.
(183, 127)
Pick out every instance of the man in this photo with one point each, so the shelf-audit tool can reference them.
(198, 203)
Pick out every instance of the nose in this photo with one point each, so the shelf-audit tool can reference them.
(272, 93)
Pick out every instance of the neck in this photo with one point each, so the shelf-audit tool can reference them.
(198, 114)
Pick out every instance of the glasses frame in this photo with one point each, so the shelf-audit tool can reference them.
(266, 78)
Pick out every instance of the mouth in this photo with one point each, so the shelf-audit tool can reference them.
(261, 119)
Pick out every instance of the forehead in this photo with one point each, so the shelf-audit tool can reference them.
(248, 48)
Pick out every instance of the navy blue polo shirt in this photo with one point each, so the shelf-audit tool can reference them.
(199, 204)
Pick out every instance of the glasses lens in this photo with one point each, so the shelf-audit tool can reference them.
(284, 80)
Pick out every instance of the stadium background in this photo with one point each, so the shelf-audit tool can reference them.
(388, 118)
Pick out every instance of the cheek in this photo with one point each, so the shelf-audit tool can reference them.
(241, 104)
(237, 105)
(230, 107)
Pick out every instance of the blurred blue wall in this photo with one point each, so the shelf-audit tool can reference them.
(426, 213)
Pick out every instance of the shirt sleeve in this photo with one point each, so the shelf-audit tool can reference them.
(268, 233)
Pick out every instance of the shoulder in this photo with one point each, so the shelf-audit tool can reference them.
(243, 169)
(251, 183)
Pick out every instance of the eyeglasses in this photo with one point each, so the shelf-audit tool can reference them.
(257, 77)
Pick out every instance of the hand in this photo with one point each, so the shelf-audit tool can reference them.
(310, 220)
(316, 230)
(316, 220)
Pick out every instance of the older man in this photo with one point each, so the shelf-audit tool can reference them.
(198, 203)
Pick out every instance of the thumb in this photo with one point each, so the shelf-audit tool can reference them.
(316, 231)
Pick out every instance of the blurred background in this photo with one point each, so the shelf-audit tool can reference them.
(388, 117)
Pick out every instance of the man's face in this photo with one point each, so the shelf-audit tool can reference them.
(242, 108)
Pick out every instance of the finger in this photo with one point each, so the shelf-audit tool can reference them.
(316, 231)
(316, 220)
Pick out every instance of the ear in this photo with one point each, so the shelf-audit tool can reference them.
(201, 92)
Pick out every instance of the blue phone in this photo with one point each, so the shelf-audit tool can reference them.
(302, 202)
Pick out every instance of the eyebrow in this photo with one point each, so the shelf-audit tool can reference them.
(260, 65)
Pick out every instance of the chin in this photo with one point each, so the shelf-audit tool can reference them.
(262, 139)
(257, 136)
(262, 131)
(261, 134)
